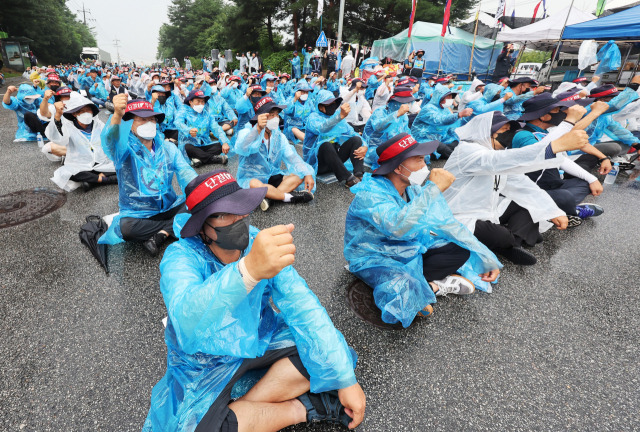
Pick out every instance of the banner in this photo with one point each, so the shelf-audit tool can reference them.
(413, 15)
(320, 8)
(600, 7)
(535, 12)
(500, 11)
(445, 21)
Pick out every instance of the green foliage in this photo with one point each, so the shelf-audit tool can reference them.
(278, 62)
(234, 65)
(57, 34)
(535, 56)
(196, 63)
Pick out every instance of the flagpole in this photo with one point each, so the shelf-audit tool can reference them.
(555, 52)
(475, 32)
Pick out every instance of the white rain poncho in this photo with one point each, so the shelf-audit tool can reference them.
(84, 153)
(487, 180)
(471, 94)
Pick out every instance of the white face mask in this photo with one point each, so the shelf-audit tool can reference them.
(234, 85)
(147, 130)
(214, 89)
(85, 118)
(273, 123)
(417, 178)
(29, 101)
(155, 81)
(198, 108)
(448, 103)
(304, 97)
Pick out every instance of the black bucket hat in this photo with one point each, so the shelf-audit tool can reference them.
(399, 148)
(217, 192)
(540, 105)
(499, 120)
(264, 106)
(402, 94)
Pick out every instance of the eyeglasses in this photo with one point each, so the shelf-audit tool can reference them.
(225, 217)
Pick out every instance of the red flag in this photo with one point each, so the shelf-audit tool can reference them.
(445, 21)
(413, 15)
(535, 12)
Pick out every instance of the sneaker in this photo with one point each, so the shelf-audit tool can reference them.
(454, 284)
(196, 162)
(301, 197)
(229, 132)
(220, 159)
(86, 186)
(324, 406)
(624, 162)
(574, 221)
(352, 181)
(587, 210)
(518, 256)
(265, 204)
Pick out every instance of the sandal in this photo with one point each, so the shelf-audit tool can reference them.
(324, 406)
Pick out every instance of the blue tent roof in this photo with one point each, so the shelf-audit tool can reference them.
(619, 26)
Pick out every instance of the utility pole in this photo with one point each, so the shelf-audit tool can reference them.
(340, 18)
(84, 13)
(117, 45)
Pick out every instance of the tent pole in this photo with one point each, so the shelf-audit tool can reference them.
(524, 46)
(475, 32)
(622, 65)
(555, 52)
(441, 51)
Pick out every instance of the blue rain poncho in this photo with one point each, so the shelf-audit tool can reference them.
(100, 91)
(322, 128)
(385, 238)
(382, 125)
(425, 91)
(231, 94)
(513, 107)
(486, 103)
(333, 85)
(606, 125)
(295, 115)
(21, 107)
(214, 324)
(220, 109)
(169, 110)
(295, 67)
(435, 123)
(245, 110)
(372, 85)
(275, 93)
(144, 179)
(609, 58)
(259, 162)
(187, 118)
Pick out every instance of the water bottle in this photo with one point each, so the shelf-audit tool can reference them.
(611, 177)
(40, 140)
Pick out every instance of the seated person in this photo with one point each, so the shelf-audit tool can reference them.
(438, 122)
(263, 149)
(329, 140)
(115, 88)
(244, 105)
(162, 102)
(490, 100)
(474, 92)
(34, 121)
(373, 83)
(388, 122)
(46, 112)
(26, 100)
(493, 197)
(360, 108)
(195, 122)
(383, 93)
(232, 92)
(543, 112)
(297, 111)
(218, 282)
(145, 166)
(521, 89)
(85, 163)
(401, 238)
(220, 109)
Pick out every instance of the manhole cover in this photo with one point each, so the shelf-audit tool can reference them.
(26, 205)
(360, 299)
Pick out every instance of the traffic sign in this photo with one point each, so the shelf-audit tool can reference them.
(322, 40)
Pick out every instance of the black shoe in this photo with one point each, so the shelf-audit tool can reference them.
(324, 406)
(86, 186)
(301, 197)
(195, 162)
(219, 159)
(518, 256)
(359, 175)
(352, 181)
(153, 244)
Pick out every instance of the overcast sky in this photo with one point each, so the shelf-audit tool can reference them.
(136, 22)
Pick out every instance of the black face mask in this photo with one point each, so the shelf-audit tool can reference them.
(231, 237)
(505, 138)
(162, 99)
(557, 118)
(330, 109)
(54, 87)
(255, 99)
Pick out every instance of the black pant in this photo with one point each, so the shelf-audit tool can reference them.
(204, 153)
(94, 176)
(136, 229)
(219, 418)
(445, 150)
(516, 227)
(358, 128)
(331, 158)
(171, 134)
(439, 263)
(34, 123)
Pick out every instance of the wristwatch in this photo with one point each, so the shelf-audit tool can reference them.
(604, 159)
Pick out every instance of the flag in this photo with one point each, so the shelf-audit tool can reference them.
(413, 15)
(445, 21)
(513, 18)
(535, 12)
(544, 8)
(500, 12)
(320, 8)
(600, 7)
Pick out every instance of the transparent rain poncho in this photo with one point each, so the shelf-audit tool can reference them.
(486, 103)
(21, 107)
(187, 118)
(385, 238)
(259, 162)
(214, 324)
(382, 125)
(513, 107)
(144, 179)
(607, 125)
(434, 122)
(487, 180)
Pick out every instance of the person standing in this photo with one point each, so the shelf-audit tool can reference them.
(348, 64)
(332, 61)
(295, 66)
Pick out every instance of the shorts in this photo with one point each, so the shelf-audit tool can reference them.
(220, 418)
(275, 180)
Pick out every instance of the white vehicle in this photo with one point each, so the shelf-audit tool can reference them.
(529, 70)
(94, 55)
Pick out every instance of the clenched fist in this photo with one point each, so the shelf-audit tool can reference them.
(345, 109)
(442, 178)
(272, 250)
